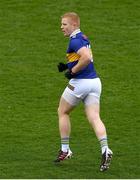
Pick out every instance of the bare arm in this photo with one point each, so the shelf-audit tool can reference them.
(85, 59)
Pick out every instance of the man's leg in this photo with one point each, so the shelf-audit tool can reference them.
(64, 121)
(65, 128)
(92, 112)
(93, 115)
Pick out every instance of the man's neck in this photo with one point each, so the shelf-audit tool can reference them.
(75, 32)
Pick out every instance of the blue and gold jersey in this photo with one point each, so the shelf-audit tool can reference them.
(77, 41)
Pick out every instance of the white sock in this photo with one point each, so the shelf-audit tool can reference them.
(65, 144)
(104, 144)
(104, 148)
(65, 147)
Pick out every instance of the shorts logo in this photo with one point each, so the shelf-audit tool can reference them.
(71, 87)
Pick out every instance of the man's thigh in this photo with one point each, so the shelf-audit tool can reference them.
(69, 96)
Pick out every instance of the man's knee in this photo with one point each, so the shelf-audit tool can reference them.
(92, 112)
(60, 111)
(93, 117)
(63, 110)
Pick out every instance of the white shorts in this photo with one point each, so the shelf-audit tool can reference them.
(87, 90)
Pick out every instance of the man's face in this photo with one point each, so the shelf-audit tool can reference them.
(67, 26)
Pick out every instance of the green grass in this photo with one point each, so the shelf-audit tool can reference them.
(31, 45)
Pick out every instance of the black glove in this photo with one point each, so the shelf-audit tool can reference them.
(69, 74)
(62, 67)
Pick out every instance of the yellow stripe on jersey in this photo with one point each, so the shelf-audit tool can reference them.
(72, 57)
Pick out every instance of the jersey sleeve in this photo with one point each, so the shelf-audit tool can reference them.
(75, 44)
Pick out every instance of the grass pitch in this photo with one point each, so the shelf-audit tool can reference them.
(31, 45)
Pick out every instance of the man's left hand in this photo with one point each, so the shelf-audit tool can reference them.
(69, 74)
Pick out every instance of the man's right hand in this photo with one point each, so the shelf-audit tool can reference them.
(62, 67)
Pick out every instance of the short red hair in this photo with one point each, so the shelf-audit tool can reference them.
(73, 17)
